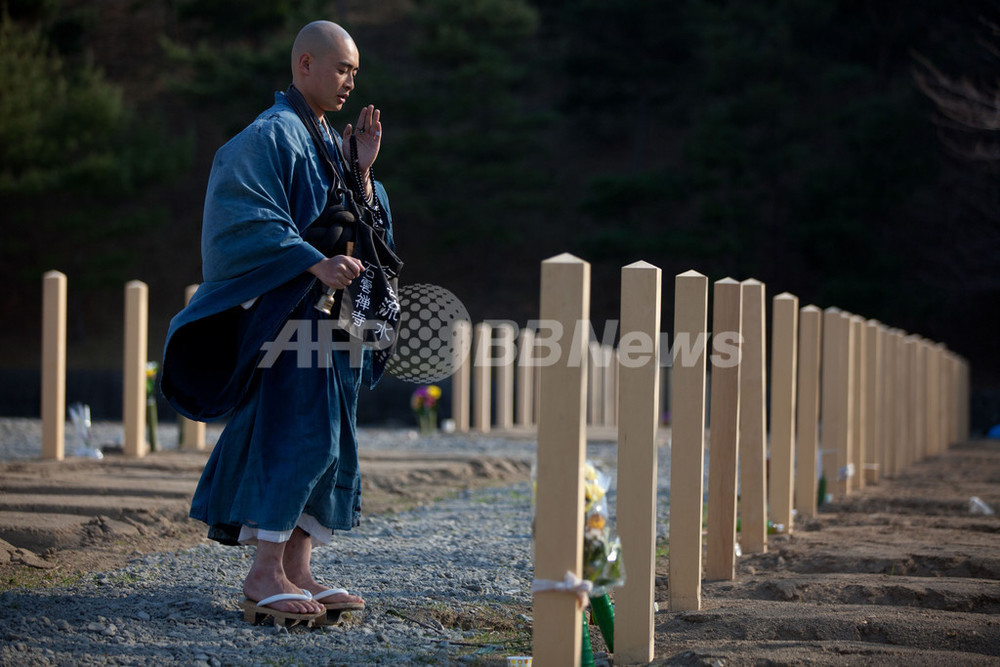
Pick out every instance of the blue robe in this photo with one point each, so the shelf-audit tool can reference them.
(289, 445)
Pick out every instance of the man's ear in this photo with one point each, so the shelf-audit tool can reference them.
(305, 61)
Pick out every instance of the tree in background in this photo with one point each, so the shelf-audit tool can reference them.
(230, 55)
(468, 170)
(63, 129)
(784, 141)
(967, 116)
(73, 155)
(764, 139)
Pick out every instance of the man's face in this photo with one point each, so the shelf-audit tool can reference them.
(331, 77)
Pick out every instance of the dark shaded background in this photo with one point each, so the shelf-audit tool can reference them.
(785, 141)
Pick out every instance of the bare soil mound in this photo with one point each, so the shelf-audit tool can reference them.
(898, 573)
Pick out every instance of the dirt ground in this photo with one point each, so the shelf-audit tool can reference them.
(61, 519)
(898, 573)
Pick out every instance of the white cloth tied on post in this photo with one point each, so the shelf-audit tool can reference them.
(570, 584)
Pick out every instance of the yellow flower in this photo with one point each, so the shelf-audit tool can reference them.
(434, 391)
(595, 522)
(592, 489)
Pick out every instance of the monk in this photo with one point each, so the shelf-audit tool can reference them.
(284, 473)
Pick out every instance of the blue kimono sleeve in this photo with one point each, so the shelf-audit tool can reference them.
(265, 187)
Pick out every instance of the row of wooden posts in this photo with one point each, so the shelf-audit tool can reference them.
(850, 397)
(473, 379)
(134, 395)
(499, 392)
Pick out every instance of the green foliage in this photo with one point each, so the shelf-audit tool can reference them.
(476, 52)
(779, 140)
(67, 129)
(618, 64)
(459, 166)
(235, 75)
(240, 19)
(235, 80)
(54, 129)
(77, 163)
(468, 37)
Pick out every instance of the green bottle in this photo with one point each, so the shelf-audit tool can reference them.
(587, 651)
(604, 615)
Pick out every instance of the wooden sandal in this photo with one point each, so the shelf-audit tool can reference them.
(335, 609)
(256, 612)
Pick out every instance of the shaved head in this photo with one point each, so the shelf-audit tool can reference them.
(318, 39)
(324, 62)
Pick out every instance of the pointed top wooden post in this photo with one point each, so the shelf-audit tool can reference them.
(565, 307)
(724, 432)
(807, 410)
(874, 352)
(897, 392)
(886, 428)
(482, 375)
(845, 445)
(638, 415)
(461, 379)
(858, 454)
(914, 403)
(687, 448)
(134, 381)
(784, 356)
(753, 422)
(930, 395)
(53, 365)
(944, 392)
(904, 372)
(836, 401)
(505, 336)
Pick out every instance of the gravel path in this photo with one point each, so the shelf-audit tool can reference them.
(472, 552)
(464, 562)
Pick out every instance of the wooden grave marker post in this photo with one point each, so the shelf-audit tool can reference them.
(807, 411)
(638, 416)
(858, 402)
(874, 351)
(54, 365)
(784, 357)
(134, 380)
(505, 336)
(525, 402)
(595, 384)
(724, 432)
(482, 377)
(753, 421)
(461, 377)
(687, 447)
(565, 301)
